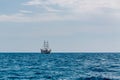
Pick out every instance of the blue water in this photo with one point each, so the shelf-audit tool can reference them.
(60, 66)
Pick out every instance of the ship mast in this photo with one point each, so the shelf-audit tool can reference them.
(46, 45)
(45, 49)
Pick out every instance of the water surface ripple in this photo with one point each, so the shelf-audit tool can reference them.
(60, 66)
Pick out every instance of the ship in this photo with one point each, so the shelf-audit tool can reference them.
(45, 49)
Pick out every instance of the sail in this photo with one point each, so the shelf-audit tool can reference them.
(46, 49)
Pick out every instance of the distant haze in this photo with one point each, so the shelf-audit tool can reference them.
(68, 25)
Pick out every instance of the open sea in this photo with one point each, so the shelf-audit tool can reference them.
(60, 66)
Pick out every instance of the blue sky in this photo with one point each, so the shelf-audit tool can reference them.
(68, 25)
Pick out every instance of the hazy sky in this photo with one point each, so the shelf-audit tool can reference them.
(68, 25)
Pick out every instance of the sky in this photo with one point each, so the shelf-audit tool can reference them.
(68, 25)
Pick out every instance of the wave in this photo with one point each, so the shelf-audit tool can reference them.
(94, 78)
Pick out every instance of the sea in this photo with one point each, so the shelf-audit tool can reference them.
(60, 66)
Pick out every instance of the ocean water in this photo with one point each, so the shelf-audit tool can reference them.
(60, 66)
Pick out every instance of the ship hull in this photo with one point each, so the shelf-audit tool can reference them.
(45, 51)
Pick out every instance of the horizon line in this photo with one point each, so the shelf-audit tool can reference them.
(61, 52)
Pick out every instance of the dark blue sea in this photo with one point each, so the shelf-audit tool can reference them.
(60, 66)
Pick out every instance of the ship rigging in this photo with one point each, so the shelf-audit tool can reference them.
(46, 49)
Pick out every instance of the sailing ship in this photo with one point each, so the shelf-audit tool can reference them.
(46, 49)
